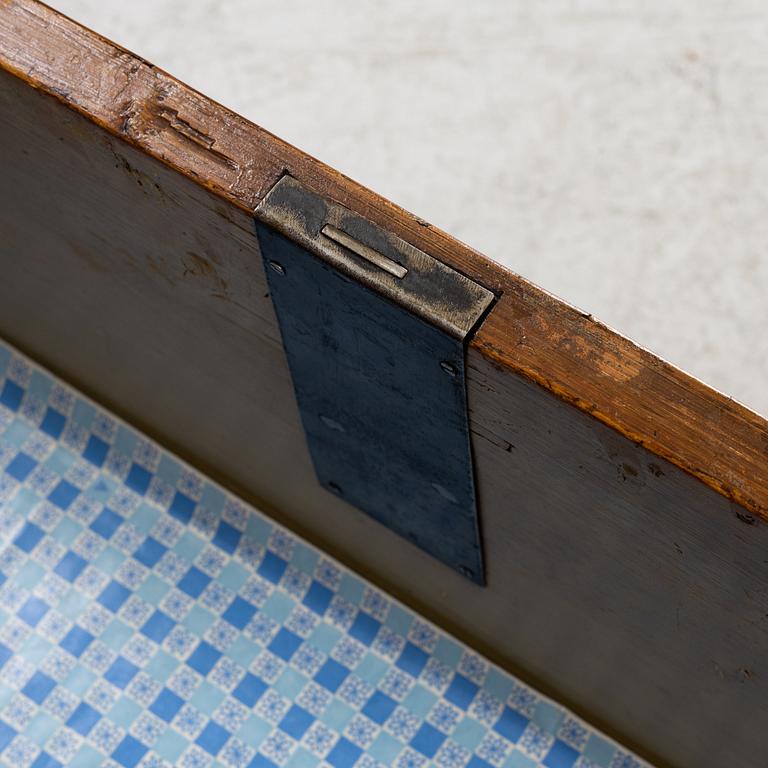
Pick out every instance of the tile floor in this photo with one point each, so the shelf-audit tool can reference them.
(148, 618)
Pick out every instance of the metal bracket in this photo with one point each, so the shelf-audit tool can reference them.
(375, 331)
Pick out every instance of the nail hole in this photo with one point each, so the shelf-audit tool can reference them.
(335, 487)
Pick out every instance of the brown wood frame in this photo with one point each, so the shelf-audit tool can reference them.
(623, 502)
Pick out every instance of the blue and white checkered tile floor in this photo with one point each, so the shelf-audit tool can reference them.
(147, 618)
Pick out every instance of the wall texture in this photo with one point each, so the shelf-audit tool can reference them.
(614, 152)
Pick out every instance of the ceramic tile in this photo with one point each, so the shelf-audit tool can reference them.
(148, 618)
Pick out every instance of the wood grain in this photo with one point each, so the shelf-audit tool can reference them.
(617, 581)
(530, 332)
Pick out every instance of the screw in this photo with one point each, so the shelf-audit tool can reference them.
(278, 267)
(449, 368)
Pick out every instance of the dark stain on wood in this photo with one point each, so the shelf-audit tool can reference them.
(196, 265)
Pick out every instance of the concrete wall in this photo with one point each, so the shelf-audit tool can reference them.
(614, 152)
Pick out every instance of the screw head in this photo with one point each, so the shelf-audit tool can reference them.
(277, 267)
(449, 368)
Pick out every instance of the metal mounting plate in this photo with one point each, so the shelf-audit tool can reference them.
(374, 331)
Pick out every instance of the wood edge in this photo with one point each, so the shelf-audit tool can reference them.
(654, 446)
(737, 462)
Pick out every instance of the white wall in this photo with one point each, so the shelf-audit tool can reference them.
(613, 152)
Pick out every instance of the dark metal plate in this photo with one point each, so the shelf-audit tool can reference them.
(377, 362)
